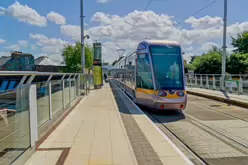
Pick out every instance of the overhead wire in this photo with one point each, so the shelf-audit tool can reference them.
(134, 24)
(174, 24)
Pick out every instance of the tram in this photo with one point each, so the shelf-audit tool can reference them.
(153, 75)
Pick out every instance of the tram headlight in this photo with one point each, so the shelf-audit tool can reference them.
(180, 93)
(162, 93)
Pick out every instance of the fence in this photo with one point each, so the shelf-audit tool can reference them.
(233, 83)
(30, 102)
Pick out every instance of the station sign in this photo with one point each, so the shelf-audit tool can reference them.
(97, 47)
(232, 83)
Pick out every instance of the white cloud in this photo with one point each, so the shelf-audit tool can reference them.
(25, 14)
(207, 46)
(56, 18)
(125, 32)
(4, 54)
(204, 22)
(73, 31)
(50, 46)
(14, 47)
(52, 49)
(2, 41)
(23, 43)
(103, 1)
(33, 47)
(189, 49)
(188, 56)
(43, 40)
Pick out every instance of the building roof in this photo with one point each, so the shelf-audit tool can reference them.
(44, 60)
(4, 59)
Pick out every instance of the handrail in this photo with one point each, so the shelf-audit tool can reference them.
(18, 73)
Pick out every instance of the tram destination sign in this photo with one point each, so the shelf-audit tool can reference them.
(97, 48)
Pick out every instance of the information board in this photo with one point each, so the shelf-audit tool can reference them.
(232, 83)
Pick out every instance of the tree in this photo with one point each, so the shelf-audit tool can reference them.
(72, 58)
(238, 64)
(209, 63)
(192, 59)
(241, 43)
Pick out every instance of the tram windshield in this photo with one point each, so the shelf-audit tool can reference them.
(167, 63)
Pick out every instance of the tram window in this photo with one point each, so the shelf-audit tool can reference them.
(168, 69)
(144, 75)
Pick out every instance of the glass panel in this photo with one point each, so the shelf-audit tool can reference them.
(144, 75)
(167, 63)
(57, 97)
(72, 90)
(82, 83)
(42, 103)
(14, 124)
(67, 92)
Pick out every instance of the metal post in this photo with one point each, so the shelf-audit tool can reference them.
(69, 90)
(201, 83)
(230, 88)
(207, 82)
(33, 115)
(82, 35)
(240, 85)
(214, 85)
(50, 100)
(195, 81)
(224, 46)
(63, 93)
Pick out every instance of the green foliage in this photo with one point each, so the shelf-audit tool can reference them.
(207, 64)
(72, 57)
(192, 59)
(241, 43)
(210, 63)
(88, 57)
(238, 64)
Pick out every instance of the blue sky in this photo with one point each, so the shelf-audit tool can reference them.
(14, 26)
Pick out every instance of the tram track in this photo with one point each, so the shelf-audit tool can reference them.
(201, 143)
(219, 104)
(199, 154)
(193, 156)
(238, 150)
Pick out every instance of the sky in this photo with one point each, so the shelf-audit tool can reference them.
(44, 27)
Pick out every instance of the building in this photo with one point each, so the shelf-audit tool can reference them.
(44, 64)
(18, 61)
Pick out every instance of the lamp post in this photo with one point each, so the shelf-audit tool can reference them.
(223, 71)
(82, 35)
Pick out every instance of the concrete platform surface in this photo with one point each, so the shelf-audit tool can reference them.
(97, 132)
(239, 100)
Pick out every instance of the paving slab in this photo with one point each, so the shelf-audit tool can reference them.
(92, 134)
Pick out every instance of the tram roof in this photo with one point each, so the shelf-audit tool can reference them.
(161, 42)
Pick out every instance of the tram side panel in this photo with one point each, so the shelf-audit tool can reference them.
(130, 75)
(144, 82)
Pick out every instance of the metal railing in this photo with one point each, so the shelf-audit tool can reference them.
(237, 84)
(29, 102)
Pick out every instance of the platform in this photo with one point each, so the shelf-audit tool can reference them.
(239, 100)
(106, 128)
